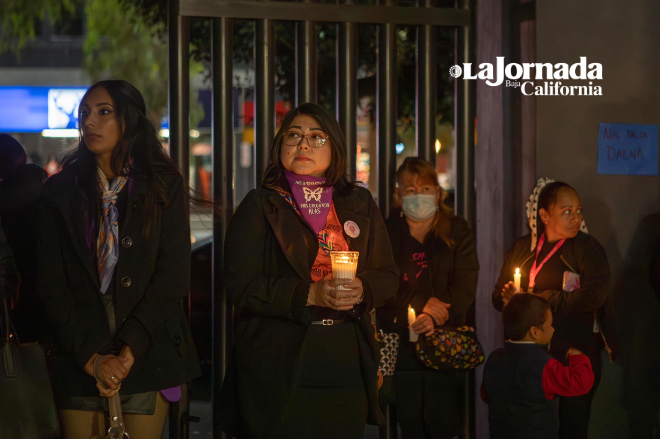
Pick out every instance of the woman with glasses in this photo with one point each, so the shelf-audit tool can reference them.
(306, 361)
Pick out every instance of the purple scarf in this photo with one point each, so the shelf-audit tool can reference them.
(107, 251)
(312, 198)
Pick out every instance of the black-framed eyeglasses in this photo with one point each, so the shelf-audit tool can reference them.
(315, 140)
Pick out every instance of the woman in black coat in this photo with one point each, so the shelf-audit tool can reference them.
(114, 266)
(20, 191)
(436, 254)
(561, 263)
(305, 363)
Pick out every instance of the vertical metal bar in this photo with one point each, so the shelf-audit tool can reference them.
(264, 106)
(223, 193)
(465, 194)
(387, 112)
(427, 88)
(179, 88)
(178, 111)
(347, 89)
(306, 62)
(465, 110)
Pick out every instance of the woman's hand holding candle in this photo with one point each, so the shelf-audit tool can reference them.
(508, 292)
(423, 325)
(326, 293)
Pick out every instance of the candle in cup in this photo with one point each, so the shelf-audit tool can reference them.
(411, 319)
(516, 280)
(344, 264)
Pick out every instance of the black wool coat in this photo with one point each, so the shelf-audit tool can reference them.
(9, 279)
(582, 255)
(269, 252)
(152, 277)
(19, 204)
(453, 272)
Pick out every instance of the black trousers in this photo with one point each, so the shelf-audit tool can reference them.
(330, 399)
(575, 411)
(429, 404)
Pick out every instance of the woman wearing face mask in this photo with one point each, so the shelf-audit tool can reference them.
(436, 255)
(305, 363)
(561, 263)
(114, 267)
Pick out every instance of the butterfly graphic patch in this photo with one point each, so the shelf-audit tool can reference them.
(315, 194)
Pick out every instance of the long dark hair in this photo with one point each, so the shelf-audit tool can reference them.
(444, 214)
(547, 199)
(335, 175)
(140, 150)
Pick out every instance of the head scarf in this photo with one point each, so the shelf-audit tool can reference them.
(106, 244)
(532, 210)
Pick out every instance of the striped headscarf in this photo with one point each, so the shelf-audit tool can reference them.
(533, 207)
(107, 251)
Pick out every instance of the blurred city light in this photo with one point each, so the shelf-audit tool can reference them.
(60, 133)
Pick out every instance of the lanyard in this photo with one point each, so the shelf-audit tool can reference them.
(535, 270)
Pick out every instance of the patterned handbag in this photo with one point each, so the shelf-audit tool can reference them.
(389, 347)
(450, 349)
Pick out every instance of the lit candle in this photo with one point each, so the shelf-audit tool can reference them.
(516, 280)
(411, 320)
(344, 265)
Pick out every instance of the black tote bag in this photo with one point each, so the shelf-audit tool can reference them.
(27, 406)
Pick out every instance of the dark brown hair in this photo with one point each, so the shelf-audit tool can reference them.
(335, 175)
(521, 313)
(426, 171)
(547, 199)
(140, 149)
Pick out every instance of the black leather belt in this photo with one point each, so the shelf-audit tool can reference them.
(328, 322)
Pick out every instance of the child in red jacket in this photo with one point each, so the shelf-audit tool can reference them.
(520, 380)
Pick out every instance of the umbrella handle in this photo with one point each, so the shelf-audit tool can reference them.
(117, 428)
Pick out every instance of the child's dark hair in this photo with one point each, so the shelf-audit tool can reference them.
(547, 199)
(521, 313)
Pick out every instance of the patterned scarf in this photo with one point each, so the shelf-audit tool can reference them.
(533, 206)
(107, 251)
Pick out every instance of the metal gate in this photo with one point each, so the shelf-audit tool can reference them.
(346, 14)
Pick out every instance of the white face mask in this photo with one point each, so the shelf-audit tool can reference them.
(419, 207)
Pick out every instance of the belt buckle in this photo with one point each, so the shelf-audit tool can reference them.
(327, 322)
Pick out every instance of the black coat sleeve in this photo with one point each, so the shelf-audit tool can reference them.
(9, 278)
(170, 282)
(463, 277)
(594, 272)
(506, 276)
(381, 279)
(250, 289)
(74, 325)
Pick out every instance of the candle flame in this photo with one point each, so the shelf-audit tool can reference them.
(438, 145)
(517, 271)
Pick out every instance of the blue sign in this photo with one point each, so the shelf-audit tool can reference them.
(30, 109)
(626, 149)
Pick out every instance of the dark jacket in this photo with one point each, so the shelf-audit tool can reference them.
(583, 255)
(152, 276)
(19, 203)
(517, 406)
(269, 252)
(9, 279)
(453, 272)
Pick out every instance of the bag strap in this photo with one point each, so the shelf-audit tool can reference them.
(5, 319)
(8, 325)
(9, 355)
